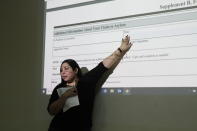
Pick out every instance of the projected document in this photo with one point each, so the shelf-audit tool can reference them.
(163, 55)
(164, 51)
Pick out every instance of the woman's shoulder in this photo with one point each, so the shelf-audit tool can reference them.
(60, 85)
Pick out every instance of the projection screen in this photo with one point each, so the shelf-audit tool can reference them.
(164, 36)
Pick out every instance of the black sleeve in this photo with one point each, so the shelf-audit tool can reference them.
(54, 97)
(95, 74)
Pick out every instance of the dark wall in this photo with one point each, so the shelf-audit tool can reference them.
(23, 108)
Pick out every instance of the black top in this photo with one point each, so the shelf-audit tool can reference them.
(78, 118)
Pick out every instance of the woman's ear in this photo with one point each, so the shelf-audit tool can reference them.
(76, 70)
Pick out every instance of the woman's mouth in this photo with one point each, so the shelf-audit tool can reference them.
(64, 77)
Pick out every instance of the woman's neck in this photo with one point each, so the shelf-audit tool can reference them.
(73, 83)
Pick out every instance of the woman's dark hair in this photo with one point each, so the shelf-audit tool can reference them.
(74, 66)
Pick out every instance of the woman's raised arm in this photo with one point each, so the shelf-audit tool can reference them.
(112, 61)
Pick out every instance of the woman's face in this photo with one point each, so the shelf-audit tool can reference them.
(67, 73)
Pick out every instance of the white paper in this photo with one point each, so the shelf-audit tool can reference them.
(71, 101)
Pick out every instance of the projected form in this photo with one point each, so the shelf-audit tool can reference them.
(163, 53)
(164, 44)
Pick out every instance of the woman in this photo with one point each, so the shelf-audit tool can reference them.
(78, 117)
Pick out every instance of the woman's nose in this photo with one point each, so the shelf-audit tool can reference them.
(63, 72)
